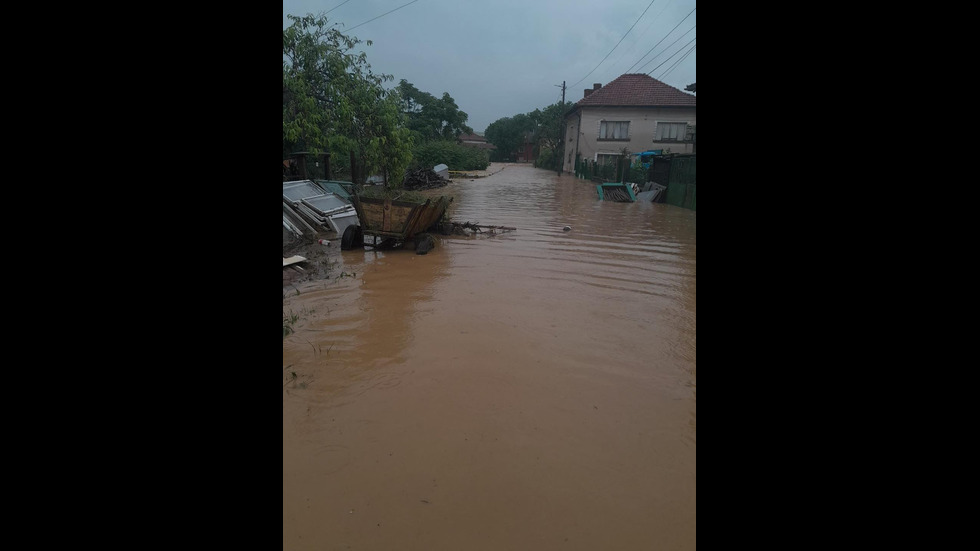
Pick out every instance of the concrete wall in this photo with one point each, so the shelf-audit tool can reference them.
(584, 138)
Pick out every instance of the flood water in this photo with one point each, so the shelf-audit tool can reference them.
(532, 390)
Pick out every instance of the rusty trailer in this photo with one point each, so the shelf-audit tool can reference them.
(393, 222)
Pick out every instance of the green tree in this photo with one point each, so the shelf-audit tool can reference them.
(548, 135)
(545, 126)
(332, 101)
(429, 117)
(507, 134)
(373, 131)
(455, 156)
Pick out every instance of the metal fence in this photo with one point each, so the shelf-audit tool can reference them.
(679, 173)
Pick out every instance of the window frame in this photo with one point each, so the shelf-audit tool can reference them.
(606, 123)
(683, 134)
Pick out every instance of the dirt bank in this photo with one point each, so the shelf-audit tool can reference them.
(321, 260)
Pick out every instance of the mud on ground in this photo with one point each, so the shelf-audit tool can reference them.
(322, 261)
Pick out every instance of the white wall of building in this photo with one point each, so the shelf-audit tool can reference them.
(584, 137)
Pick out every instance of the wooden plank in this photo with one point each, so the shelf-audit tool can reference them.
(292, 260)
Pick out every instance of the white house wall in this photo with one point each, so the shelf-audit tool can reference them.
(584, 138)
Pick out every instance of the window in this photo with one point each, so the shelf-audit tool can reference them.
(671, 131)
(614, 130)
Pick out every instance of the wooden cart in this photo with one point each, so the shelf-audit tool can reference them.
(393, 222)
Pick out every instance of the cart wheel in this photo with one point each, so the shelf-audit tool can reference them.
(353, 238)
(424, 243)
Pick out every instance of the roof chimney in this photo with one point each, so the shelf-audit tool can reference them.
(587, 92)
(597, 85)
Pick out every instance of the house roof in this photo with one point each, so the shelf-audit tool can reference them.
(479, 145)
(472, 137)
(638, 90)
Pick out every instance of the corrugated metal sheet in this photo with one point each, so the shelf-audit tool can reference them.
(313, 205)
(297, 191)
(326, 203)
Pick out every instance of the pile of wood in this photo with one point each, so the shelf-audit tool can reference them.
(423, 178)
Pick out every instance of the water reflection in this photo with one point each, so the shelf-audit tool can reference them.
(358, 323)
(538, 385)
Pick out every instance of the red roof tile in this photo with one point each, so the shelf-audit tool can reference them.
(637, 89)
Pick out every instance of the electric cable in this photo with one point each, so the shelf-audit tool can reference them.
(617, 44)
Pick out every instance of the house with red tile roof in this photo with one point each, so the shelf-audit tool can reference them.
(634, 112)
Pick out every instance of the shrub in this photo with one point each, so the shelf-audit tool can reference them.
(451, 154)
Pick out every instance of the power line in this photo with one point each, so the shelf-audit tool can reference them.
(678, 62)
(335, 7)
(380, 16)
(667, 48)
(673, 54)
(653, 20)
(617, 44)
(661, 40)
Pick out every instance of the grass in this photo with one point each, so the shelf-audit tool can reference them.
(287, 322)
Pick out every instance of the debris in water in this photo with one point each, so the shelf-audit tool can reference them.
(567, 228)
(469, 228)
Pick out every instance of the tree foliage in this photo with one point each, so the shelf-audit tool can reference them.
(548, 136)
(429, 117)
(332, 101)
(544, 127)
(455, 156)
(507, 134)
(692, 87)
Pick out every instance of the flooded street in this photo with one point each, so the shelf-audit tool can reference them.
(536, 389)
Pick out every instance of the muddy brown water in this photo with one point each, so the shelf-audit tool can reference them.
(536, 389)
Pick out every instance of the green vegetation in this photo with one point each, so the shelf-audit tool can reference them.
(637, 174)
(430, 118)
(333, 102)
(287, 322)
(542, 128)
(435, 123)
(452, 154)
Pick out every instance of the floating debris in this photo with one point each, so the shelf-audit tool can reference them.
(469, 228)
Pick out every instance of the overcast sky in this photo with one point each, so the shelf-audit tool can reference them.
(499, 58)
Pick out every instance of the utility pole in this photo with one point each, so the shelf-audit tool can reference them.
(561, 130)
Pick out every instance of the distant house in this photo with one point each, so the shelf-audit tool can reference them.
(635, 112)
(474, 140)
